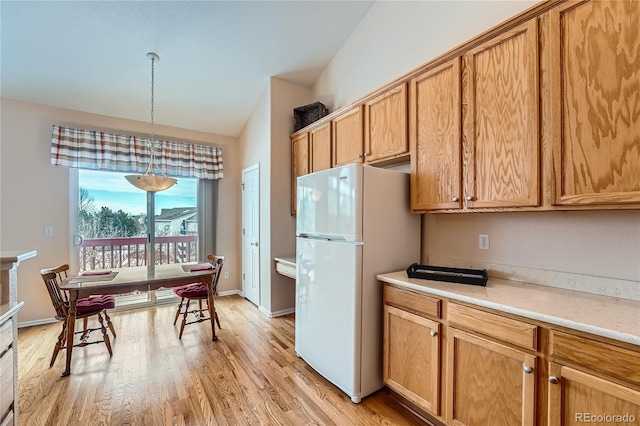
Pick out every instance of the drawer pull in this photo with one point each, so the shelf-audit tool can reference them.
(527, 369)
(554, 380)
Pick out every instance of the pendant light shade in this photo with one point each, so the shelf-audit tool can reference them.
(149, 181)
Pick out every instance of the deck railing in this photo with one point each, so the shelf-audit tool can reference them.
(104, 253)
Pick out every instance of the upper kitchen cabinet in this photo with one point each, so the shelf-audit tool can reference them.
(385, 124)
(435, 138)
(320, 148)
(348, 137)
(501, 126)
(299, 163)
(595, 86)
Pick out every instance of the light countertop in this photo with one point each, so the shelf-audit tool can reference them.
(286, 266)
(13, 256)
(289, 261)
(610, 317)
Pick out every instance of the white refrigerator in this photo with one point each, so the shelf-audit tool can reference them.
(353, 223)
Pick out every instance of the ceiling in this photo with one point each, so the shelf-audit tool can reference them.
(216, 57)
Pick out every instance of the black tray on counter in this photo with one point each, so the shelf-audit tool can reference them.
(450, 275)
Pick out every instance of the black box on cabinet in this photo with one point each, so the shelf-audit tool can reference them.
(307, 114)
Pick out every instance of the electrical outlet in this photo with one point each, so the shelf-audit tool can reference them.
(48, 231)
(483, 242)
(226, 275)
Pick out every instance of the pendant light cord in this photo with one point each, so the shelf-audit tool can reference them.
(152, 147)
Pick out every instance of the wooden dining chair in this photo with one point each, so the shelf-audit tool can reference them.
(85, 308)
(198, 291)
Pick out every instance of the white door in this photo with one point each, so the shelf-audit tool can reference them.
(251, 233)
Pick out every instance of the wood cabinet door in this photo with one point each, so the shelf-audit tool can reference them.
(385, 124)
(435, 138)
(487, 383)
(576, 398)
(411, 358)
(595, 77)
(320, 148)
(299, 164)
(348, 142)
(501, 127)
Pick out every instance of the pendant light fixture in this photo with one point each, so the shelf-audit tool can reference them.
(149, 181)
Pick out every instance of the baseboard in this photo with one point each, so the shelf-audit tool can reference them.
(270, 314)
(37, 322)
(230, 293)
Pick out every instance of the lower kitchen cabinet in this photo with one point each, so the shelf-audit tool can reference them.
(590, 378)
(577, 397)
(458, 364)
(412, 358)
(488, 383)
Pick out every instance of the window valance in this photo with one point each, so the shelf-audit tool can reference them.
(88, 149)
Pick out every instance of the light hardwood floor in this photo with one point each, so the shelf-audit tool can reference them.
(251, 375)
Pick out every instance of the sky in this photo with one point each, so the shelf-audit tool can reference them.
(111, 190)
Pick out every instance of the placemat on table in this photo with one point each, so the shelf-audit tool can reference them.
(94, 277)
(198, 267)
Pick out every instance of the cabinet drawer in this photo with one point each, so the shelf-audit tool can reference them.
(493, 325)
(6, 336)
(597, 356)
(411, 301)
(6, 382)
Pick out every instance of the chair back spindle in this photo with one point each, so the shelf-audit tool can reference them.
(58, 298)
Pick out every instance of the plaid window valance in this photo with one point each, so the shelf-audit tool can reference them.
(88, 149)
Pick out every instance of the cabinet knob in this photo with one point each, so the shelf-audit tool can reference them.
(554, 380)
(527, 369)
(469, 198)
(455, 199)
(366, 154)
(433, 333)
(359, 156)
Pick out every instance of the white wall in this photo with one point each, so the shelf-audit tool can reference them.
(285, 97)
(265, 139)
(396, 37)
(34, 194)
(255, 147)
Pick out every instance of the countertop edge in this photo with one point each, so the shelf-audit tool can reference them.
(16, 256)
(289, 261)
(563, 322)
(11, 312)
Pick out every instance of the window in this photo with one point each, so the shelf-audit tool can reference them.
(112, 225)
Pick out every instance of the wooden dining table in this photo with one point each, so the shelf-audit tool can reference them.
(127, 280)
